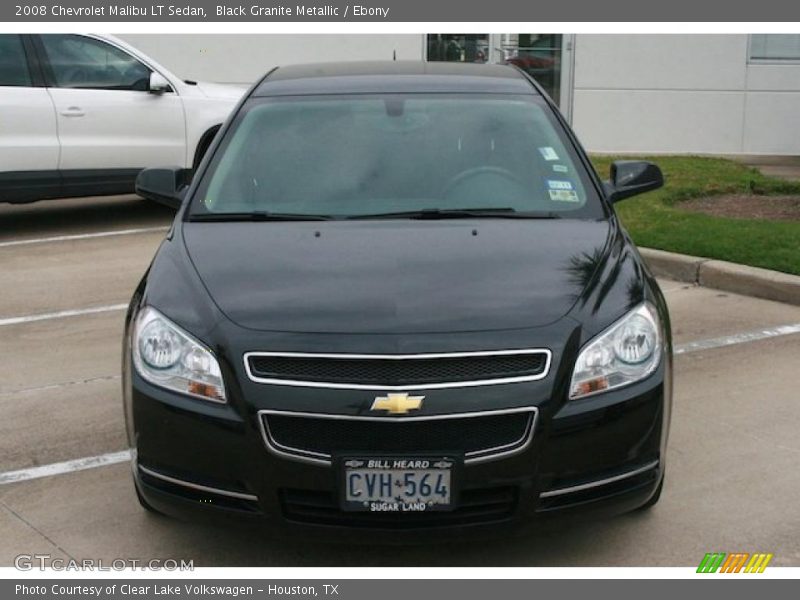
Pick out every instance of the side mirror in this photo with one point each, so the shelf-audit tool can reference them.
(165, 185)
(158, 84)
(632, 177)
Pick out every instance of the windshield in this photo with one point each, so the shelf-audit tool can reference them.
(395, 155)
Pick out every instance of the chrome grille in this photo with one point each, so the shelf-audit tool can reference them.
(398, 372)
(477, 436)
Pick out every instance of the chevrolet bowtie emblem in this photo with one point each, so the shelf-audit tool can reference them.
(397, 404)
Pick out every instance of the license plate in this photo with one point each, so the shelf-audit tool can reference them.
(397, 484)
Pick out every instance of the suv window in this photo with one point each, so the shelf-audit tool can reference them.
(81, 62)
(13, 64)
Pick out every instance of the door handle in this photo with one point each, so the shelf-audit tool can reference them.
(73, 111)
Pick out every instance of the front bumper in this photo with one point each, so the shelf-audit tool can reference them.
(597, 456)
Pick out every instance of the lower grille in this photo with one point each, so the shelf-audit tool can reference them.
(476, 436)
(475, 507)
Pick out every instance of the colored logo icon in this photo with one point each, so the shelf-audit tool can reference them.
(737, 562)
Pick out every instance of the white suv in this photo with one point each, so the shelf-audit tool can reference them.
(81, 115)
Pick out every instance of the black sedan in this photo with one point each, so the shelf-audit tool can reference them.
(396, 300)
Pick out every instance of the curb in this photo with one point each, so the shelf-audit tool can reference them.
(722, 275)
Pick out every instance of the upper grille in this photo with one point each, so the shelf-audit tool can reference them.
(398, 371)
(475, 435)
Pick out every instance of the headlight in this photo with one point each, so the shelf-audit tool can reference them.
(627, 351)
(167, 356)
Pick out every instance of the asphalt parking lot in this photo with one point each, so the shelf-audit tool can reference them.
(67, 268)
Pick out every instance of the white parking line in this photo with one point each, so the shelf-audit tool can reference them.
(58, 385)
(112, 458)
(61, 314)
(737, 338)
(81, 236)
(69, 466)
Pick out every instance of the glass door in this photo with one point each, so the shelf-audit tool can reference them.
(458, 47)
(539, 55)
(546, 57)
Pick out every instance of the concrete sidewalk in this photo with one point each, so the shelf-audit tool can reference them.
(723, 275)
(782, 167)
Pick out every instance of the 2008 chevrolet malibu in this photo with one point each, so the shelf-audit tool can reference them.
(396, 299)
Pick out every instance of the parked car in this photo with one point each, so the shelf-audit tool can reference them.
(83, 114)
(397, 299)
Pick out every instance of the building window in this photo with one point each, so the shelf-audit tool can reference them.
(458, 47)
(538, 54)
(775, 46)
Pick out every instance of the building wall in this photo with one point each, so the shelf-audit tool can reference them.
(683, 94)
(631, 94)
(242, 58)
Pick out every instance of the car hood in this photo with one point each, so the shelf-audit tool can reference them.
(222, 91)
(396, 276)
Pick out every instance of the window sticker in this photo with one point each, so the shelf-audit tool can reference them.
(564, 196)
(558, 184)
(548, 153)
(560, 168)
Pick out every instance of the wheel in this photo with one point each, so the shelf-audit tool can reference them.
(655, 498)
(465, 177)
(485, 187)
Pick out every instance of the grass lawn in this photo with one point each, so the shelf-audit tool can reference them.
(655, 220)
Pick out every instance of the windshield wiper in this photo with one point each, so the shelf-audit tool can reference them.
(258, 216)
(461, 213)
(423, 214)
